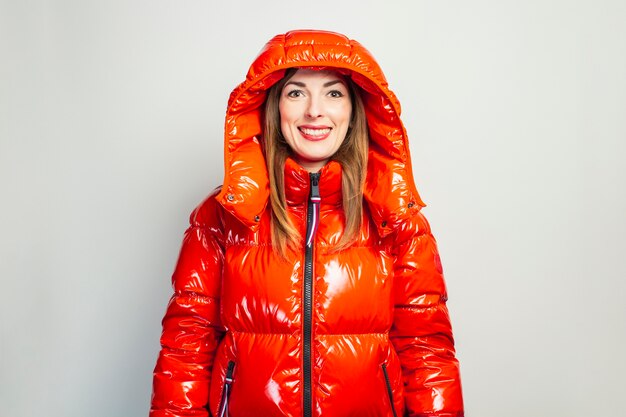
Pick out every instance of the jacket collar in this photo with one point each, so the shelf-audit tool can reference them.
(297, 183)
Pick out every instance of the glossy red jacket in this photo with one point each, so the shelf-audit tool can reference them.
(233, 339)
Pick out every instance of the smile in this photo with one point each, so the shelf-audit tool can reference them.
(314, 134)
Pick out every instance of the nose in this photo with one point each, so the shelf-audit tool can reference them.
(314, 108)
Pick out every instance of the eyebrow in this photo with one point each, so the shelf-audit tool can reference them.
(301, 84)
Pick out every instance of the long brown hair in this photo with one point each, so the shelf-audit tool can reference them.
(352, 155)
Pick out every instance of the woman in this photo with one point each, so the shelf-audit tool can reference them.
(310, 284)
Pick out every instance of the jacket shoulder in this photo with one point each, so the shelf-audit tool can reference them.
(208, 213)
(414, 226)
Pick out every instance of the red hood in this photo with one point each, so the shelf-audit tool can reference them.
(389, 187)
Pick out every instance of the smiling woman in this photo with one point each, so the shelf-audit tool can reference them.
(292, 107)
(310, 284)
(315, 114)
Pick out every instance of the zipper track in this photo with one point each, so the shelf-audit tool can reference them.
(389, 391)
(222, 409)
(312, 220)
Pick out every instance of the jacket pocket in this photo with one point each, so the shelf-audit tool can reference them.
(389, 391)
(222, 409)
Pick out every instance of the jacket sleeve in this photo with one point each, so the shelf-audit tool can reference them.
(191, 327)
(421, 331)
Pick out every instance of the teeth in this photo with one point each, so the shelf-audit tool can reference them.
(315, 132)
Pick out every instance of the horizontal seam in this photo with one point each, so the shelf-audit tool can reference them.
(318, 334)
(353, 334)
(417, 306)
(291, 45)
(232, 245)
(191, 294)
(327, 247)
(180, 351)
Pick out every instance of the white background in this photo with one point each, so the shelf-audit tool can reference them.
(111, 124)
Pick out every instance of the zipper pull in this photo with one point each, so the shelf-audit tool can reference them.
(314, 207)
(315, 187)
(229, 372)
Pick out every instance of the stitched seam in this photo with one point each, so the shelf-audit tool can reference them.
(265, 333)
(192, 294)
(327, 247)
(410, 306)
(354, 334)
(318, 334)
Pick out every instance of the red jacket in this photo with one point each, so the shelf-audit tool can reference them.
(362, 332)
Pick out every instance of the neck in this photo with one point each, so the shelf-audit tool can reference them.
(311, 166)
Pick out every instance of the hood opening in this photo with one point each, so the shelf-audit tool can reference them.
(389, 188)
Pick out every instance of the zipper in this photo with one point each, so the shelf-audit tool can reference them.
(313, 214)
(389, 392)
(222, 410)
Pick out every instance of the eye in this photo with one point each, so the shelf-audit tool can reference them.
(295, 93)
(335, 94)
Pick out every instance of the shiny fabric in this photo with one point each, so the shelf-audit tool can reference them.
(382, 343)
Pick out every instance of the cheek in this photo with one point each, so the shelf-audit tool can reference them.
(348, 112)
(283, 112)
(287, 112)
(285, 127)
(342, 114)
(343, 117)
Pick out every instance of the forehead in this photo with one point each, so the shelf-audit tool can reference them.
(310, 75)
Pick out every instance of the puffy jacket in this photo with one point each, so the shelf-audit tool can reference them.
(360, 332)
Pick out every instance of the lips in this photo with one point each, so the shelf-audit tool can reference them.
(314, 133)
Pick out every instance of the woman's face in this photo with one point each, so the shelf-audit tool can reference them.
(315, 112)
